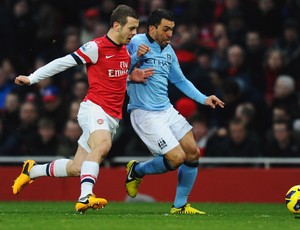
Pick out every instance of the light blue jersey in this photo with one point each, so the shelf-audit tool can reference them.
(153, 95)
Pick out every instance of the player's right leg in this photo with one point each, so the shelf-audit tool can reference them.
(31, 171)
(163, 145)
(24, 178)
(157, 165)
(132, 180)
(56, 168)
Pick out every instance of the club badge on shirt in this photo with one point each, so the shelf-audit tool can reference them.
(169, 57)
(100, 121)
(86, 46)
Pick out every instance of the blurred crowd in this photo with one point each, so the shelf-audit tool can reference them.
(247, 52)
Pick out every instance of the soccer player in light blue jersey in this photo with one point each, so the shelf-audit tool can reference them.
(166, 133)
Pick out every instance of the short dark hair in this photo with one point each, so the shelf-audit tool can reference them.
(121, 13)
(157, 15)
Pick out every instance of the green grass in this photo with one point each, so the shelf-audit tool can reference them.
(135, 216)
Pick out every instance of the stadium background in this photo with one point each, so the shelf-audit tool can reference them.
(245, 52)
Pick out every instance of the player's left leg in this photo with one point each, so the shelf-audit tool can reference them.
(187, 174)
(98, 131)
(100, 144)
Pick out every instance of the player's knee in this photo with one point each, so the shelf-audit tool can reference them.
(196, 153)
(74, 170)
(181, 158)
(193, 154)
(177, 159)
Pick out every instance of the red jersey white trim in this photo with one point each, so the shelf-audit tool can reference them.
(107, 69)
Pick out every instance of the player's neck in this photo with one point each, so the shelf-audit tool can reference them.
(113, 36)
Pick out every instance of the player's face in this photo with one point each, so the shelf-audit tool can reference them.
(127, 31)
(163, 33)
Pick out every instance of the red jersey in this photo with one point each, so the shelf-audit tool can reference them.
(107, 68)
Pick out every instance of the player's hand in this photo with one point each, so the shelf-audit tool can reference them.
(213, 101)
(141, 75)
(142, 50)
(22, 80)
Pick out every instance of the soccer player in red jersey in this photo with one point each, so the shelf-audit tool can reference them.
(107, 62)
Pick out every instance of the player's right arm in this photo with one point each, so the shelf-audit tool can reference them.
(142, 50)
(52, 68)
(22, 80)
(88, 53)
(137, 49)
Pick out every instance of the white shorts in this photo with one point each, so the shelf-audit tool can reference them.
(92, 117)
(159, 130)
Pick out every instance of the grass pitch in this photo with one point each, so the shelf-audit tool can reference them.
(144, 216)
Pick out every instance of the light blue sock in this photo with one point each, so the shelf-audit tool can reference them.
(157, 165)
(186, 179)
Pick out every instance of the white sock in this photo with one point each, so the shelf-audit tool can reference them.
(88, 177)
(57, 168)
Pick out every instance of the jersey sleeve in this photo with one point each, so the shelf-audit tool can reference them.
(132, 48)
(182, 83)
(54, 67)
(86, 54)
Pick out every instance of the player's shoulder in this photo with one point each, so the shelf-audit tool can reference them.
(89, 46)
(93, 44)
(100, 41)
(139, 38)
(170, 49)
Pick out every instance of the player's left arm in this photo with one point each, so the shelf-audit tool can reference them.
(187, 87)
(140, 75)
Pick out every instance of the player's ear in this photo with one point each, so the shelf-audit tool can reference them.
(116, 26)
(151, 29)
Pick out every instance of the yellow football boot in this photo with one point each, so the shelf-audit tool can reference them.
(90, 202)
(186, 209)
(23, 179)
(132, 182)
